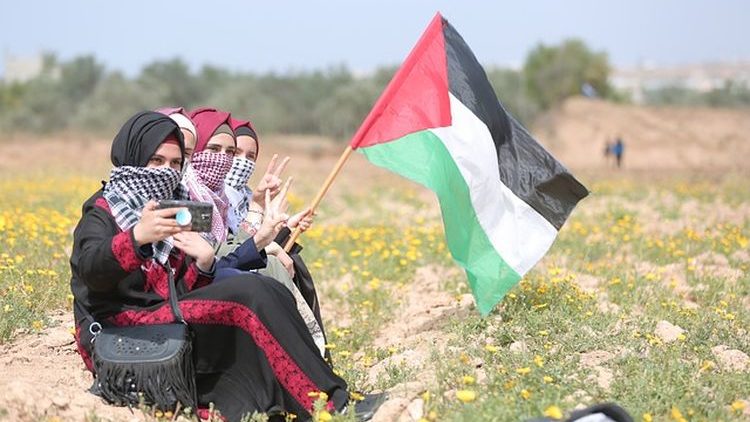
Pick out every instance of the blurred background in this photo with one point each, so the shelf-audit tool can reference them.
(671, 79)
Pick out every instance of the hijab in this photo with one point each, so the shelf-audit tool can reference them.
(180, 116)
(131, 184)
(239, 194)
(204, 178)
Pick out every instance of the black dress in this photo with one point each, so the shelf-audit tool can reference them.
(252, 350)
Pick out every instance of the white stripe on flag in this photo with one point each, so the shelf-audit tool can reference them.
(520, 235)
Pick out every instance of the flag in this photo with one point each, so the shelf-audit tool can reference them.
(503, 197)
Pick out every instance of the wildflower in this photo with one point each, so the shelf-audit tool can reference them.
(647, 417)
(466, 396)
(547, 379)
(538, 361)
(677, 415)
(426, 396)
(468, 380)
(491, 348)
(553, 412)
(525, 394)
(356, 396)
(523, 371)
(738, 405)
(324, 416)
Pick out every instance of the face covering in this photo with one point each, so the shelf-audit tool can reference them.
(128, 190)
(240, 173)
(211, 168)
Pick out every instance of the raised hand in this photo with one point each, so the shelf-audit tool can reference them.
(271, 181)
(156, 225)
(304, 219)
(194, 245)
(274, 216)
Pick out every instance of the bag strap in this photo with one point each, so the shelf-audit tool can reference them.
(173, 294)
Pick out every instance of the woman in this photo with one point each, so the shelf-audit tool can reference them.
(252, 351)
(187, 127)
(248, 219)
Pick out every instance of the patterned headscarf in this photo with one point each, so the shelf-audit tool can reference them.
(205, 175)
(131, 185)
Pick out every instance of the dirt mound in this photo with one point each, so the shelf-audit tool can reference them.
(661, 138)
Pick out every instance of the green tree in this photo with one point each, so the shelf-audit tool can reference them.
(553, 73)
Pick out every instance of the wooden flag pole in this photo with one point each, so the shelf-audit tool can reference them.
(319, 197)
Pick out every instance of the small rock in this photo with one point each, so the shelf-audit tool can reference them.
(415, 409)
(407, 390)
(61, 402)
(518, 347)
(731, 359)
(668, 332)
(390, 410)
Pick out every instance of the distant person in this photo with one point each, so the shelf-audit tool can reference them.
(618, 150)
(607, 151)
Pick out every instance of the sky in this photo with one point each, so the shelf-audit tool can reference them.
(286, 36)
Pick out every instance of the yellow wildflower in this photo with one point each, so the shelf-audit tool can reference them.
(553, 412)
(466, 396)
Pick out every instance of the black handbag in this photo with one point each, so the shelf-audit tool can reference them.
(149, 364)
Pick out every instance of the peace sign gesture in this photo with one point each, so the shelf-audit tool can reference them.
(274, 217)
(271, 181)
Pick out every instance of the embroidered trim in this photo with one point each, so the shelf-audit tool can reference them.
(82, 351)
(124, 251)
(289, 374)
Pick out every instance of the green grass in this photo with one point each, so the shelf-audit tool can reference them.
(366, 248)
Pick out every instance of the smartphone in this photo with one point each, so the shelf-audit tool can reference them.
(197, 214)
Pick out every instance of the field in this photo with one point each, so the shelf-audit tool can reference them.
(643, 300)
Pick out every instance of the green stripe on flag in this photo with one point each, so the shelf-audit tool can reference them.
(423, 158)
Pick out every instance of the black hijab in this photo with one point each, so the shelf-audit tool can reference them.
(140, 137)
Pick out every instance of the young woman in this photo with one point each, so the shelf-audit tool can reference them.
(248, 217)
(187, 127)
(251, 348)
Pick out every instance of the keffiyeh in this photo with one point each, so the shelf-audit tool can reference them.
(128, 191)
(237, 191)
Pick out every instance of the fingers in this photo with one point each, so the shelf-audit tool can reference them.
(285, 189)
(167, 212)
(281, 167)
(272, 164)
(150, 205)
(268, 203)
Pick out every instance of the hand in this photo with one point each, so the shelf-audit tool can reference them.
(194, 245)
(274, 217)
(271, 181)
(276, 250)
(156, 225)
(304, 219)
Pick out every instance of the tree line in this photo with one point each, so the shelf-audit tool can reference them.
(82, 94)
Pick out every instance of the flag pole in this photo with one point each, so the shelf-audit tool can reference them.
(319, 197)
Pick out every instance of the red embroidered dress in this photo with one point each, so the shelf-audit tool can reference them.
(252, 350)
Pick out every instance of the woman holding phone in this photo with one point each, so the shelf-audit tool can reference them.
(252, 350)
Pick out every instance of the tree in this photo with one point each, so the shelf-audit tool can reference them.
(554, 73)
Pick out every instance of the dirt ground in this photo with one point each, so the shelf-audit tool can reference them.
(45, 377)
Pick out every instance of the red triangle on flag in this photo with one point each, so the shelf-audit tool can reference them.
(417, 96)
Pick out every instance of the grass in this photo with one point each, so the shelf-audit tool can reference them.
(632, 255)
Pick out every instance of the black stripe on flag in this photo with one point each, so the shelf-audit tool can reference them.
(526, 168)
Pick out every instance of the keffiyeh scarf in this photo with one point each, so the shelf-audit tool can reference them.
(204, 179)
(130, 188)
(238, 193)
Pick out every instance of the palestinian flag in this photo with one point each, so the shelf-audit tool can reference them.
(503, 196)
